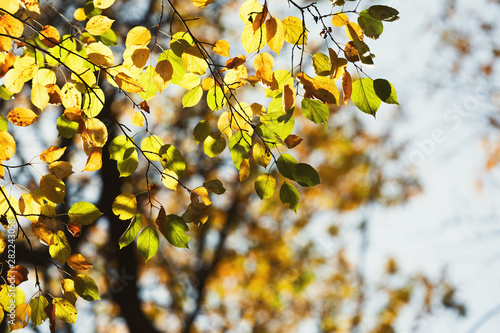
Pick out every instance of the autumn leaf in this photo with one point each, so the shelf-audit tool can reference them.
(221, 48)
(98, 25)
(78, 262)
(202, 3)
(7, 146)
(22, 116)
(50, 36)
(17, 275)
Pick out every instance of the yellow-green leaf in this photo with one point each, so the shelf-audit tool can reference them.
(64, 310)
(125, 206)
(53, 188)
(59, 247)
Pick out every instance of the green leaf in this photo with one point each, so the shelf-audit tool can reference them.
(147, 243)
(176, 231)
(67, 129)
(372, 27)
(385, 91)
(364, 96)
(84, 213)
(215, 98)
(90, 10)
(241, 138)
(201, 131)
(265, 185)
(279, 123)
(305, 175)
(172, 160)
(59, 247)
(132, 231)
(192, 97)
(147, 83)
(215, 186)
(384, 13)
(290, 195)
(64, 310)
(86, 287)
(122, 150)
(3, 123)
(286, 166)
(315, 111)
(38, 305)
(125, 206)
(321, 63)
(238, 154)
(177, 65)
(214, 145)
(108, 38)
(151, 147)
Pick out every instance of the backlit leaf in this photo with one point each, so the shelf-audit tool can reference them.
(127, 83)
(214, 145)
(151, 147)
(295, 31)
(64, 310)
(214, 186)
(221, 48)
(244, 171)
(171, 159)
(49, 36)
(17, 275)
(372, 27)
(132, 231)
(38, 304)
(138, 36)
(125, 206)
(192, 97)
(275, 33)
(78, 262)
(265, 185)
(53, 188)
(52, 154)
(98, 25)
(202, 3)
(147, 243)
(66, 128)
(315, 111)
(339, 19)
(59, 247)
(61, 169)
(286, 165)
(346, 86)
(86, 287)
(100, 55)
(201, 131)
(364, 96)
(175, 231)
(22, 116)
(21, 318)
(261, 154)
(249, 10)
(103, 4)
(123, 151)
(252, 40)
(305, 175)
(385, 91)
(290, 195)
(194, 60)
(84, 213)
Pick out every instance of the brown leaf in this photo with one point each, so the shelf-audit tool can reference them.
(236, 61)
(50, 311)
(346, 86)
(161, 221)
(17, 275)
(292, 141)
(144, 106)
(351, 52)
(244, 172)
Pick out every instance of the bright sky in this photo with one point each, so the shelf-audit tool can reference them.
(452, 224)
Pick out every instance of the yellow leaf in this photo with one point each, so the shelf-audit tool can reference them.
(170, 179)
(138, 119)
(295, 31)
(5, 44)
(202, 3)
(61, 169)
(22, 316)
(28, 67)
(244, 172)
(53, 188)
(59, 247)
(13, 81)
(261, 154)
(71, 97)
(125, 206)
(136, 55)
(275, 34)
(221, 48)
(55, 96)
(263, 64)
(49, 36)
(98, 25)
(321, 87)
(207, 83)
(138, 36)
(189, 81)
(249, 10)
(11, 6)
(79, 14)
(44, 77)
(224, 124)
(94, 161)
(65, 310)
(235, 77)
(22, 116)
(354, 31)
(194, 61)
(95, 133)
(29, 205)
(11, 26)
(339, 19)
(39, 96)
(257, 109)
(163, 74)
(252, 40)
(100, 55)
(103, 4)
(201, 193)
(127, 83)
(32, 5)
(7, 146)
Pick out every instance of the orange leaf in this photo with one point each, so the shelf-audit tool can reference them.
(52, 154)
(163, 74)
(17, 275)
(236, 61)
(49, 36)
(94, 161)
(161, 221)
(323, 88)
(127, 83)
(74, 228)
(22, 116)
(292, 141)
(78, 262)
(289, 95)
(244, 172)
(346, 86)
